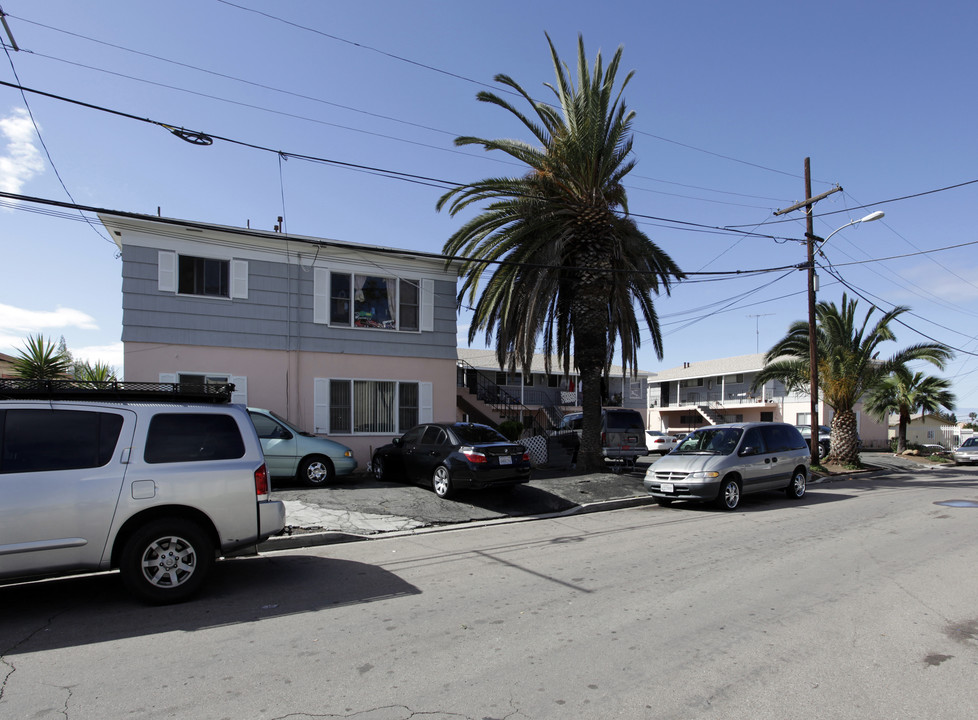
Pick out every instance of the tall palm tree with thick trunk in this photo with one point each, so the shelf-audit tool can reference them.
(905, 392)
(562, 260)
(848, 363)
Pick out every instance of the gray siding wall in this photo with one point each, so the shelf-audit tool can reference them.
(277, 315)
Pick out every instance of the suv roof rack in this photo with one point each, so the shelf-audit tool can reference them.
(119, 390)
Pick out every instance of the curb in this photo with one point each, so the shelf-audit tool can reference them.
(332, 537)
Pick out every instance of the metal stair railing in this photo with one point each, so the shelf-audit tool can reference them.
(503, 402)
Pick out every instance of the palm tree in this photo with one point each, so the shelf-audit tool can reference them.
(563, 259)
(848, 364)
(905, 392)
(41, 360)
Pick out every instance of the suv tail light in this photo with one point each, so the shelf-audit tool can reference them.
(261, 480)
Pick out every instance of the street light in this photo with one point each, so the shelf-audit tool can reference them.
(812, 349)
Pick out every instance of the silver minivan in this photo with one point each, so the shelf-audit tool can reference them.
(721, 463)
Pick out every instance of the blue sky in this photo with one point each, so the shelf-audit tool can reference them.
(730, 98)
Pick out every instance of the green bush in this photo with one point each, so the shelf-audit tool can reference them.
(511, 429)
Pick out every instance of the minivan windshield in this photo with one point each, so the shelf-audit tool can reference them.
(711, 441)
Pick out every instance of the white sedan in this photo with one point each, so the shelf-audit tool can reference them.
(659, 442)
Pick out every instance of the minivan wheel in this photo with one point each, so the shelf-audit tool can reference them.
(796, 488)
(441, 482)
(316, 470)
(729, 496)
(377, 465)
(166, 561)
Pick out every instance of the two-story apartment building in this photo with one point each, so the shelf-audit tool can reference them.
(483, 388)
(354, 341)
(684, 398)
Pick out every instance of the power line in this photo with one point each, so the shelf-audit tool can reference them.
(200, 137)
(392, 251)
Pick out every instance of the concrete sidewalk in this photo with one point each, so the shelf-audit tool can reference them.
(361, 507)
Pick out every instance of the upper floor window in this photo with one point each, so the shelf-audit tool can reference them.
(203, 276)
(374, 301)
(210, 277)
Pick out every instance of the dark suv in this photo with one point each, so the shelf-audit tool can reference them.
(622, 433)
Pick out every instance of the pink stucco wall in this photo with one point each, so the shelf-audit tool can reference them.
(283, 381)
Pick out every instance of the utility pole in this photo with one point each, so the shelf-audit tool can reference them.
(757, 330)
(10, 35)
(808, 203)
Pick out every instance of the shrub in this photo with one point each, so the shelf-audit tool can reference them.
(511, 429)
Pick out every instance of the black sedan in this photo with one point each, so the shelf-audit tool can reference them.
(448, 456)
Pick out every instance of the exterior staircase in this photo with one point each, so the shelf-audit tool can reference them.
(709, 414)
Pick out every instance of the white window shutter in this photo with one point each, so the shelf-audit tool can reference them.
(168, 377)
(425, 402)
(167, 271)
(240, 394)
(320, 296)
(427, 305)
(320, 402)
(239, 279)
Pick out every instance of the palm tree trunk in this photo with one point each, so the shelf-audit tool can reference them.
(902, 431)
(845, 438)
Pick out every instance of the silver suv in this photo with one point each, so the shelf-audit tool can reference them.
(155, 489)
(723, 462)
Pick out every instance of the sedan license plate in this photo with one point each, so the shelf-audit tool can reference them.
(505, 460)
(667, 487)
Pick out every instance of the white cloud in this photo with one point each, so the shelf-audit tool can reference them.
(110, 355)
(19, 321)
(21, 160)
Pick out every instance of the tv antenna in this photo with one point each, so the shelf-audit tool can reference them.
(757, 330)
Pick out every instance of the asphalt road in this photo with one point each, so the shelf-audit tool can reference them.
(857, 602)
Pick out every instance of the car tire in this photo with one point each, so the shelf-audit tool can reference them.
(316, 470)
(441, 481)
(166, 561)
(729, 496)
(797, 487)
(823, 450)
(377, 466)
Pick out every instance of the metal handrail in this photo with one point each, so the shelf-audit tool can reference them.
(498, 398)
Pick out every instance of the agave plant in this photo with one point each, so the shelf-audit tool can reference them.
(41, 360)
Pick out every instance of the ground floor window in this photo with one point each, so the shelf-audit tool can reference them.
(370, 407)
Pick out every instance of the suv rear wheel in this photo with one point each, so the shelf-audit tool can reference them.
(166, 561)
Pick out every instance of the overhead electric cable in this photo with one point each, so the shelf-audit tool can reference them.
(199, 137)
(381, 250)
(44, 145)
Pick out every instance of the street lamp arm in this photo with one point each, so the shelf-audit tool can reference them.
(869, 218)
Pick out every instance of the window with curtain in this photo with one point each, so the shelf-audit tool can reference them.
(373, 407)
(374, 301)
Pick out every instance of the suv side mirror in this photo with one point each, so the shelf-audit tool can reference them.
(396, 442)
